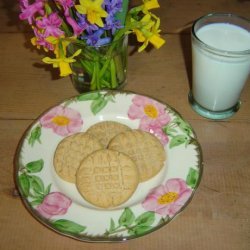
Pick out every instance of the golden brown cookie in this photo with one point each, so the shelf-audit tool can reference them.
(71, 151)
(144, 148)
(107, 178)
(106, 130)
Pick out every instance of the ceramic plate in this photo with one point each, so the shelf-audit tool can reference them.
(57, 203)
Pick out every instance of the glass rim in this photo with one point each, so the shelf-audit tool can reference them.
(211, 48)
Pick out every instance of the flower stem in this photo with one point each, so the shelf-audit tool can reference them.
(113, 74)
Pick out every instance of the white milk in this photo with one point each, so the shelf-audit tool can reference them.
(218, 79)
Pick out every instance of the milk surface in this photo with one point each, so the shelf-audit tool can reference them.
(218, 80)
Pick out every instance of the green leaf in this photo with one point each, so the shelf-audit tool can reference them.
(139, 230)
(35, 135)
(178, 140)
(35, 166)
(112, 226)
(67, 226)
(98, 105)
(127, 217)
(121, 15)
(145, 219)
(185, 127)
(192, 177)
(24, 184)
(89, 96)
(168, 130)
(47, 191)
(36, 202)
(36, 184)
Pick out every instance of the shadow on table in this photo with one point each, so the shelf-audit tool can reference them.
(185, 40)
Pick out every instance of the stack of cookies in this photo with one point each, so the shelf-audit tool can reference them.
(108, 161)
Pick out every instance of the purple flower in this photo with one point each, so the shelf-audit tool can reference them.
(112, 24)
(95, 39)
(28, 11)
(113, 6)
(51, 25)
(85, 25)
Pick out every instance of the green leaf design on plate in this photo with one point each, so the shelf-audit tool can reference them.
(178, 140)
(67, 226)
(112, 226)
(168, 130)
(128, 222)
(140, 229)
(32, 186)
(36, 202)
(24, 184)
(47, 191)
(35, 166)
(127, 217)
(145, 219)
(36, 184)
(192, 177)
(89, 96)
(35, 135)
(185, 127)
(99, 100)
(98, 104)
(179, 131)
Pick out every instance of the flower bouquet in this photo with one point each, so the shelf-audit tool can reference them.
(88, 38)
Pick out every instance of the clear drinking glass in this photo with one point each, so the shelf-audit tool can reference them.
(221, 64)
(102, 67)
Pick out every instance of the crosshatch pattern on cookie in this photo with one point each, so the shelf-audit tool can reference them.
(144, 148)
(107, 178)
(71, 151)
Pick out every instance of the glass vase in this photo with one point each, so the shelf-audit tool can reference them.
(101, 67)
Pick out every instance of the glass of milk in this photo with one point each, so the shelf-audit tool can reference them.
(220, 64)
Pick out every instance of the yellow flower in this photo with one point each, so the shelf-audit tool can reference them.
(143, 25)
(33, 41)
(60, 44)
(155, 39)
(150, 4)
(94, 11)
(147, 31)
(61, 61)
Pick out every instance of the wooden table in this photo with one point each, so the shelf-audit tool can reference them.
(218, 216)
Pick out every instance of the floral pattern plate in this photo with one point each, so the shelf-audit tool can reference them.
(57, 203)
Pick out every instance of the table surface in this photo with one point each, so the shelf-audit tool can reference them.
(217, 217)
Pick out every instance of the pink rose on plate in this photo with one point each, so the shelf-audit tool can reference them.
(54, 203)
(152, 116)
(168, 199)
(62, 120)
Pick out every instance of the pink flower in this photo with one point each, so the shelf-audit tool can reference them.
(66, 4)
(62, 120)
(41, 40)
(51, 25)
(28, 11)
(152, 116)
(77, 29)
(54, 203)
(168, 199)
